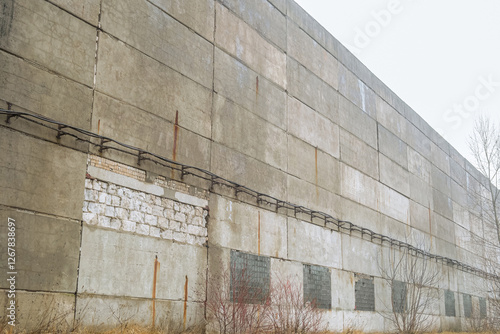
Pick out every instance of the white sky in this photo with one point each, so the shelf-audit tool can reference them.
(442, 57)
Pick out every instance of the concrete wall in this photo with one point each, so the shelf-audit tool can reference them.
(256, 92)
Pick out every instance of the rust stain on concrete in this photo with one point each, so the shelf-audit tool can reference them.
(185, 304)
(316, 171)
(156, 267)
(258, 237)
(176, 139)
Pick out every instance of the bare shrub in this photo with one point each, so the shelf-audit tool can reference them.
(413, 281)
(234, 304)
(290, 313)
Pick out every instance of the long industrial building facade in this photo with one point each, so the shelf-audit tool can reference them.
(146, 143)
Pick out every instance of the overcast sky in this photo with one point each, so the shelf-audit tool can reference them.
(442, 57)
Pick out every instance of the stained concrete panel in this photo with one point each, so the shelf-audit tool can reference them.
(357, 122)
(418, 141)
(69, 48)
(443, 228)
(41, 176)
(312, 196)
(356, 91)
(440, 159)
(307, 23)
(458, 194)
(241, 41)
(420, 217)
(458, 173)
(421, 192)
(44, 93)
(313, 56)
(393, 204)
(342, 289)
(391, 119)
(440, 181)
(145, 130)
(196, 14)
(312, 127)
(262, 16)
(47, 252)
(394, 176)
(313, 244)
(312, 165)
(247, 88)
(157, 34)
(393, 147)
(128, 75)
(247, 228)
(359, 215)
(359, 187)
(87, 10)
(311, 90)
(107, 312)
(247, 171)
(38, 311)
(356, 153)
(122, 265)
(419, 166)
(360, 256)
(442, 204)
(243, 131)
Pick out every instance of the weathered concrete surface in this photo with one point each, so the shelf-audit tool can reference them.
(133, 265)
(31, 88)
(40, 176)
(69, 48)
(47, 252)
(244, 43)
(128, 75)
(152, 31)
(111, 312)
(39, 311)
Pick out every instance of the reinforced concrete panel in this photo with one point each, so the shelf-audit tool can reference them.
(356, 91)
(47, 252)
(420, 217)
(357, 122)
(36, 90)
(360, 256)
(87, 10)
(342, 290)
(359, 187)
(393, 121)
(240, 226)
(312, 127)
(309, 243)
(196, 14)
(123, 265)
(50, 37)
(417, 140)
(311, 90)
(41, 311)
(443, 204)
(312, 55)
(419, 166)
(262, 16)
(151, 30)
(248, 171)
(393, 204)
(145, 130)
(108, 312)
(130, 76)
(40, 176)
(421, 192)
(247, 88)
(394, 176)
(393, 147)
(247, 133)
(241, 41)
(440, 158)
(355, 152)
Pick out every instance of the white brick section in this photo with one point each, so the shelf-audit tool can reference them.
(113, 206)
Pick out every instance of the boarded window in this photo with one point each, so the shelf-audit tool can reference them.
(399, 296)
(317, 286)
(250, 277)
(482, 308)
(449, 303)
(364, 293)
(467, 306)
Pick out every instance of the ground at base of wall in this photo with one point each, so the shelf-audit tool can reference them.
(135, 329)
